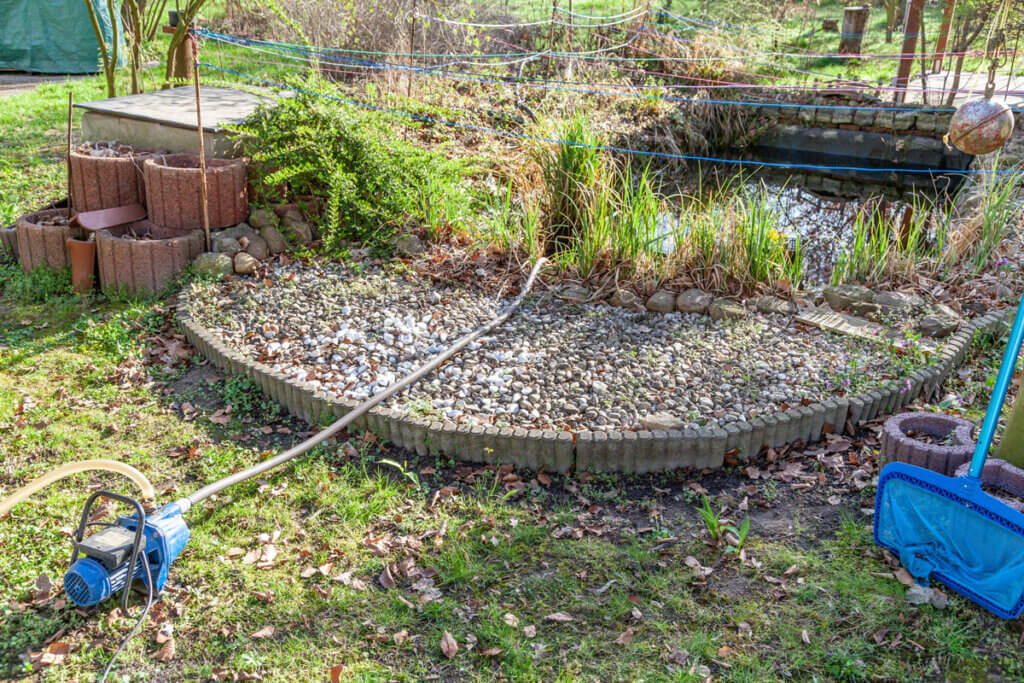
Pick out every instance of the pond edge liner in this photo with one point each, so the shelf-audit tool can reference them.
(598, 451)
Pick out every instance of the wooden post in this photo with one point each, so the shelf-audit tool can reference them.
(202, 146)
(551, 32)
(71, 103)
(855, 24)
(940, 46)
(910, 30)
(412, 45)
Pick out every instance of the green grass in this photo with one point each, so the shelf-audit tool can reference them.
(61, 400)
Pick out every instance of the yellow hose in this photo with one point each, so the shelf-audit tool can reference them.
(148, 494)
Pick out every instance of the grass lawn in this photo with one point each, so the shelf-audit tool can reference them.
(626, 558)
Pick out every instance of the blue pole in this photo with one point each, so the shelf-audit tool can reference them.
(995, 404)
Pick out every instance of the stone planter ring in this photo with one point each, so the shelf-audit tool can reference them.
(173, 194)
(1001, 475)
(900, 445)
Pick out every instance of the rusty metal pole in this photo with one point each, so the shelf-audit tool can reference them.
(940, 46)
(911, 28)
(202, 147)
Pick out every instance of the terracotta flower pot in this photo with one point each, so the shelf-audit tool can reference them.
(147, 263)
(173, 195)
(107, 182)
(83, 264)
(40, 244)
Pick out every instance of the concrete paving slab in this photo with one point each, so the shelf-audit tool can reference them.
(166, 119)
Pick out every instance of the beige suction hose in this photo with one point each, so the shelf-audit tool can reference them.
(145, 488)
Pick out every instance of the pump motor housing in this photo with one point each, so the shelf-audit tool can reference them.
(103, 569)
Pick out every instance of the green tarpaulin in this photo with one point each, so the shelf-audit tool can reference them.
(51, 36)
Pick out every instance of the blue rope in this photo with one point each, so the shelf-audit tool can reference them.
(470, 76)
(607, 148)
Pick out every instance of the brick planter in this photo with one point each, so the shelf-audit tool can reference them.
(43, 245)
(144, 265)
(9, 242)
(898, 446)
(107, 182)
(173, 194)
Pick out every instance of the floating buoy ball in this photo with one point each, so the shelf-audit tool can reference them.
(981, 126)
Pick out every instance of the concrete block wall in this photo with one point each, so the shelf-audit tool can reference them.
(611, 451)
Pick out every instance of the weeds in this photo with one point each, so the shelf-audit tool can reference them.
(41, 285)
(246, 399)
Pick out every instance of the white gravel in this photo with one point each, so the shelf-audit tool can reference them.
(552, 365)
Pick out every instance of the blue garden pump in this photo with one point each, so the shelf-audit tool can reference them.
(102, 562)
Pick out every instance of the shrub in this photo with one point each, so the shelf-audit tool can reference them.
(373, 182)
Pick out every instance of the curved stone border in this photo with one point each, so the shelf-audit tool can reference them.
(625, 451)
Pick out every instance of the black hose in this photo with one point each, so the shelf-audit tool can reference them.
(361, 409)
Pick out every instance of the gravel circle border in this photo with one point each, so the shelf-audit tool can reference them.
(615, 451)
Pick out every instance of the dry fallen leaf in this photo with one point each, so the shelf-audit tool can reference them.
(626, 637)
(385, 579)
(559, 617)
(337, 671)
(530, 631)
(166, 651)
(491, 652)
(165, 633)
(448, 645)
(55, 654)
(400, 637)
(42, 588)
(265, 632)
(904, 577)
(804, 636)
(511, 619)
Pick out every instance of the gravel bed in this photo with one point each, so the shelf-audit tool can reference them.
(352, 330)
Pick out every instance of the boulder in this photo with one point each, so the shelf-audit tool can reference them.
(409, 245)
(898, 301)
(625, 299)
(724, 309)
(213, 265)
(662, 421)
(261, 218)
(225, 245)
(693, 301)
(276, 242)
(773, 304)
(577, 294)
(300, 228)
(255, 246)
(938, 325)
(238, 232)
(842, 297)
(662, 301)
(245, 264)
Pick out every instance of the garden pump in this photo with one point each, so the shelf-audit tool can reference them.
(103, 562)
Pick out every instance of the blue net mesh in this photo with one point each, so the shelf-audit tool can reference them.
(949, 529)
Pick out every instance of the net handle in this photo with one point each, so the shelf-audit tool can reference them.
(995, 404)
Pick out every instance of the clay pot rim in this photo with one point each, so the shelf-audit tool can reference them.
(212, 165)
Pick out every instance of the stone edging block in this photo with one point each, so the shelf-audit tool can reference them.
(616, 451)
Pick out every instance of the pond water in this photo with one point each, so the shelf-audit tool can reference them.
(822, 222)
